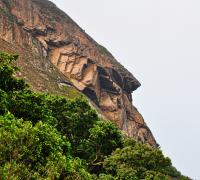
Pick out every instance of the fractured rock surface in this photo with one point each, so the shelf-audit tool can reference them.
(54, 36)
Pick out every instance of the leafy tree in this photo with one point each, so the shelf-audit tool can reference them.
(39, 151)
(31, 106)
(139, 161)
(104, 138)
(7, 81)
(75, 117)
(39, 148)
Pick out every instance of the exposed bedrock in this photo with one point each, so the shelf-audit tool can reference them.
(53, 35)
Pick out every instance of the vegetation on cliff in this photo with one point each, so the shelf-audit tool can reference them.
(50, 137)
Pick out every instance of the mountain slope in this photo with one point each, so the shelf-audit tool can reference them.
(55, 51)
(44, 136)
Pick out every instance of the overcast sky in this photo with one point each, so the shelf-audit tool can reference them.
(159, 42)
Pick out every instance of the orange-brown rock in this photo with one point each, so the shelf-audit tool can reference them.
(53, 36)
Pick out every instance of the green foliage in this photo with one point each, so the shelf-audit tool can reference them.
(39, 149)
(139, 161)
(3, 102)
(104, 138)
(31, 106)
(7, 81)
(75, 117)
(71, 92)
(106, 177)
(51, 137)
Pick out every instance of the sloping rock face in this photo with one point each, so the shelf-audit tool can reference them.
(51, 34)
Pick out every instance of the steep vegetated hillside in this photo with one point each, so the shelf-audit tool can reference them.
(44, 136)
(57, 55)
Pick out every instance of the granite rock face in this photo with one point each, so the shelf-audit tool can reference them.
(53, 36)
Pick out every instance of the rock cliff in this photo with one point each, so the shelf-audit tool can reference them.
(55, 50)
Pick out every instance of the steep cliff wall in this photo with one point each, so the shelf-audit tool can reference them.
(64, 49)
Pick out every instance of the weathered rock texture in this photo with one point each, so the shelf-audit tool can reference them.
(61, 45)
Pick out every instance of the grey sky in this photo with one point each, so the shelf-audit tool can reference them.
(159, 42)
